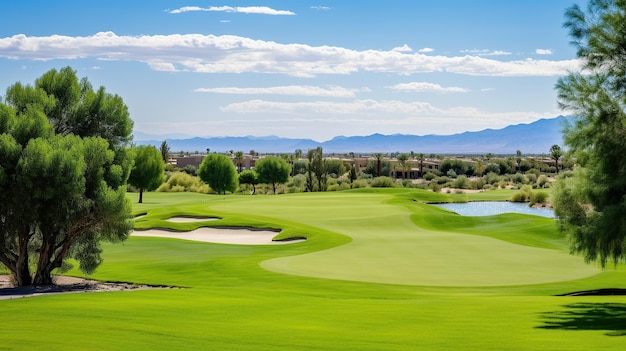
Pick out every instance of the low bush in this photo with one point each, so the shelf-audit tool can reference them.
(183, 182)
(429, 176)
(538, 197)
(383, 182)
(461, 182)
(360, 183)
(523, 195)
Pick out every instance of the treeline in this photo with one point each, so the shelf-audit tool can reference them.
(313, 172)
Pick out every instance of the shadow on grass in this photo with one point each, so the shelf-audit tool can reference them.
(610, 317)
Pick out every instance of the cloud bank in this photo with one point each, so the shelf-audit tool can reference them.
(259, 10)
(294, 90)
(236, 54)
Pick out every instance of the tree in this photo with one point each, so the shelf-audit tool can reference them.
(219, 172)
(379, 158)
(272, 170)
(249, 177)
(64, 164)
(590, 203)
(352, 176)
(165, 151)
(310, 185)
(402, 158)
(318, 166)
(421, 158)
(239, 160)
(147, 172)
(555, 154)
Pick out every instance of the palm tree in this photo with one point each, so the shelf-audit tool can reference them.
(402, 158)
(421, 158)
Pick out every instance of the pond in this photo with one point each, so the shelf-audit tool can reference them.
(489, 208)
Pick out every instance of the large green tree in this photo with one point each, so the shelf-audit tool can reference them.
(63, 170)
(591, 203)
(219, 172)
(272, 170)
(147, 172)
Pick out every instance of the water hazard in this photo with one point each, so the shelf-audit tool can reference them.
(490, 208)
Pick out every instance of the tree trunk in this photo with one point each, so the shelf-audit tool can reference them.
(22, 270)
(140, 196)
(21, 275)
(274, 187)
(43, 274)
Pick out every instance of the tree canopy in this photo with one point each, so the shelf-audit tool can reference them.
(63, 170)
(272, 170)
(147, 172)
(591, 203)
(219, 172)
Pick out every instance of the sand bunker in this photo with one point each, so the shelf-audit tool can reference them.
(191, 219)
(239, 236)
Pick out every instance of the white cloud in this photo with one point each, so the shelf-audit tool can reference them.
(371, 107)
(235, 54)
(425, 50)
(403, 48)
(323, 8)
(425, 87)
(544, 52)
(485, 52)
(294, 90)
(261, 10)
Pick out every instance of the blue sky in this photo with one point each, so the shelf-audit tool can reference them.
(302, 69)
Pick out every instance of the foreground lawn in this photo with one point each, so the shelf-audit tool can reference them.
(380, 270)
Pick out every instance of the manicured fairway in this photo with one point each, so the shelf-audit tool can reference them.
(380, 270)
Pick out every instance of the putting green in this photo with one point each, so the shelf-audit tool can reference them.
(388, 247)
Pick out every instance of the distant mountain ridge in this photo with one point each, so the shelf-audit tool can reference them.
(532, 138)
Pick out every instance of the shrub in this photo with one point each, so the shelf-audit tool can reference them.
(538, 197)
(461, 182)
(519, 178)
(383, 182)
(491, 178)
(360, 183)
(442, 180)
(542, 181)
(523, 195)
(477, 184)
(183, 182)
(435, 187)
(429, 176)
(338, 187)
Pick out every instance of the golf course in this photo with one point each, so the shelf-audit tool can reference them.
(364, 269)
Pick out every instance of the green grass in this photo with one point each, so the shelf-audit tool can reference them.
(381, 270)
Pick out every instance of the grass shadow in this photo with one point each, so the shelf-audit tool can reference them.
(610, 317)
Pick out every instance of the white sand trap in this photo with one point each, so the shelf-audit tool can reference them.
(219, 235)
(191, 219)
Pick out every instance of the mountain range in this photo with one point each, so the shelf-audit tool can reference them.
(532, 138)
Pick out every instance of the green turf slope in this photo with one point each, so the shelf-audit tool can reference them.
(389, 245)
